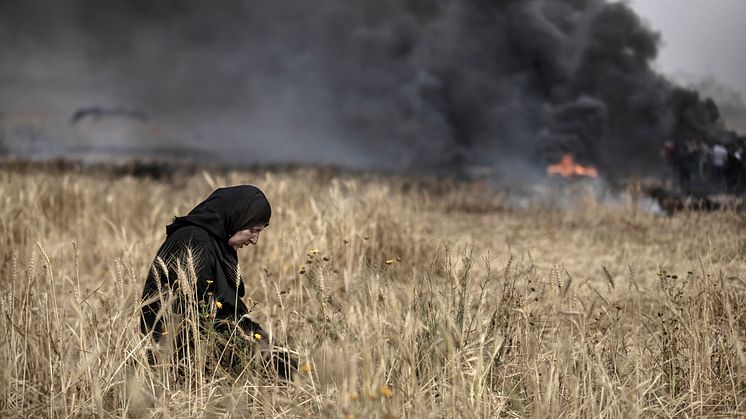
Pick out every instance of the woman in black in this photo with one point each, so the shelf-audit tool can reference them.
(199, 255)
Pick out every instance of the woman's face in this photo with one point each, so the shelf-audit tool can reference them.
(244, 237)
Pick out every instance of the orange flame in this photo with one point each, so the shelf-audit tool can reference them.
(567, 168)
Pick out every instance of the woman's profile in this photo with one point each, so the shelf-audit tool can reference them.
(195, 277)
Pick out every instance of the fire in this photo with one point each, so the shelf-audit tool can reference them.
(567, 168)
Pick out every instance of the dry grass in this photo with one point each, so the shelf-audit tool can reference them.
(593, 312)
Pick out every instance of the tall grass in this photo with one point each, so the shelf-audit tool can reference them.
(405, 298)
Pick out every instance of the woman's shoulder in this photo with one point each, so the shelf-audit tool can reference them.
(192, 236)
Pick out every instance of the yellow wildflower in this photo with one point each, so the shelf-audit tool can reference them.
(218, 304)
(389, 261)
(386, 391)
(209, 281)
(257, 336)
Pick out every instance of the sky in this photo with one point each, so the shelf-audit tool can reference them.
(701, 38)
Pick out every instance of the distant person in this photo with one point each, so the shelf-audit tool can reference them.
(719, 157)
(703, 157)
(740, 156)
(211, 234)
(682, 162)
(668, 152)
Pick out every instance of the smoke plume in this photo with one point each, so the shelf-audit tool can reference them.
(393, 84)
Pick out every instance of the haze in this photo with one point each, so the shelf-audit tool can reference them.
(700, 38)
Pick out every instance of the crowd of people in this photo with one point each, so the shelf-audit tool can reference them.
(717, 166)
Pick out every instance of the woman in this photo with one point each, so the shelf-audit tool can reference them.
(195, 273)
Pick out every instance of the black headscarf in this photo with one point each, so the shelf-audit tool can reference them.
(226, 211)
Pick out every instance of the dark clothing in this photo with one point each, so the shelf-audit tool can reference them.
(202, 238)
(195, 267)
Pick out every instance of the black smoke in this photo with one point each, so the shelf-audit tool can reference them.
(394, 84)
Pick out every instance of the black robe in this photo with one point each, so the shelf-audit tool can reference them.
(203, 234)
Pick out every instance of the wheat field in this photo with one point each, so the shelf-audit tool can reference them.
(404, 298)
